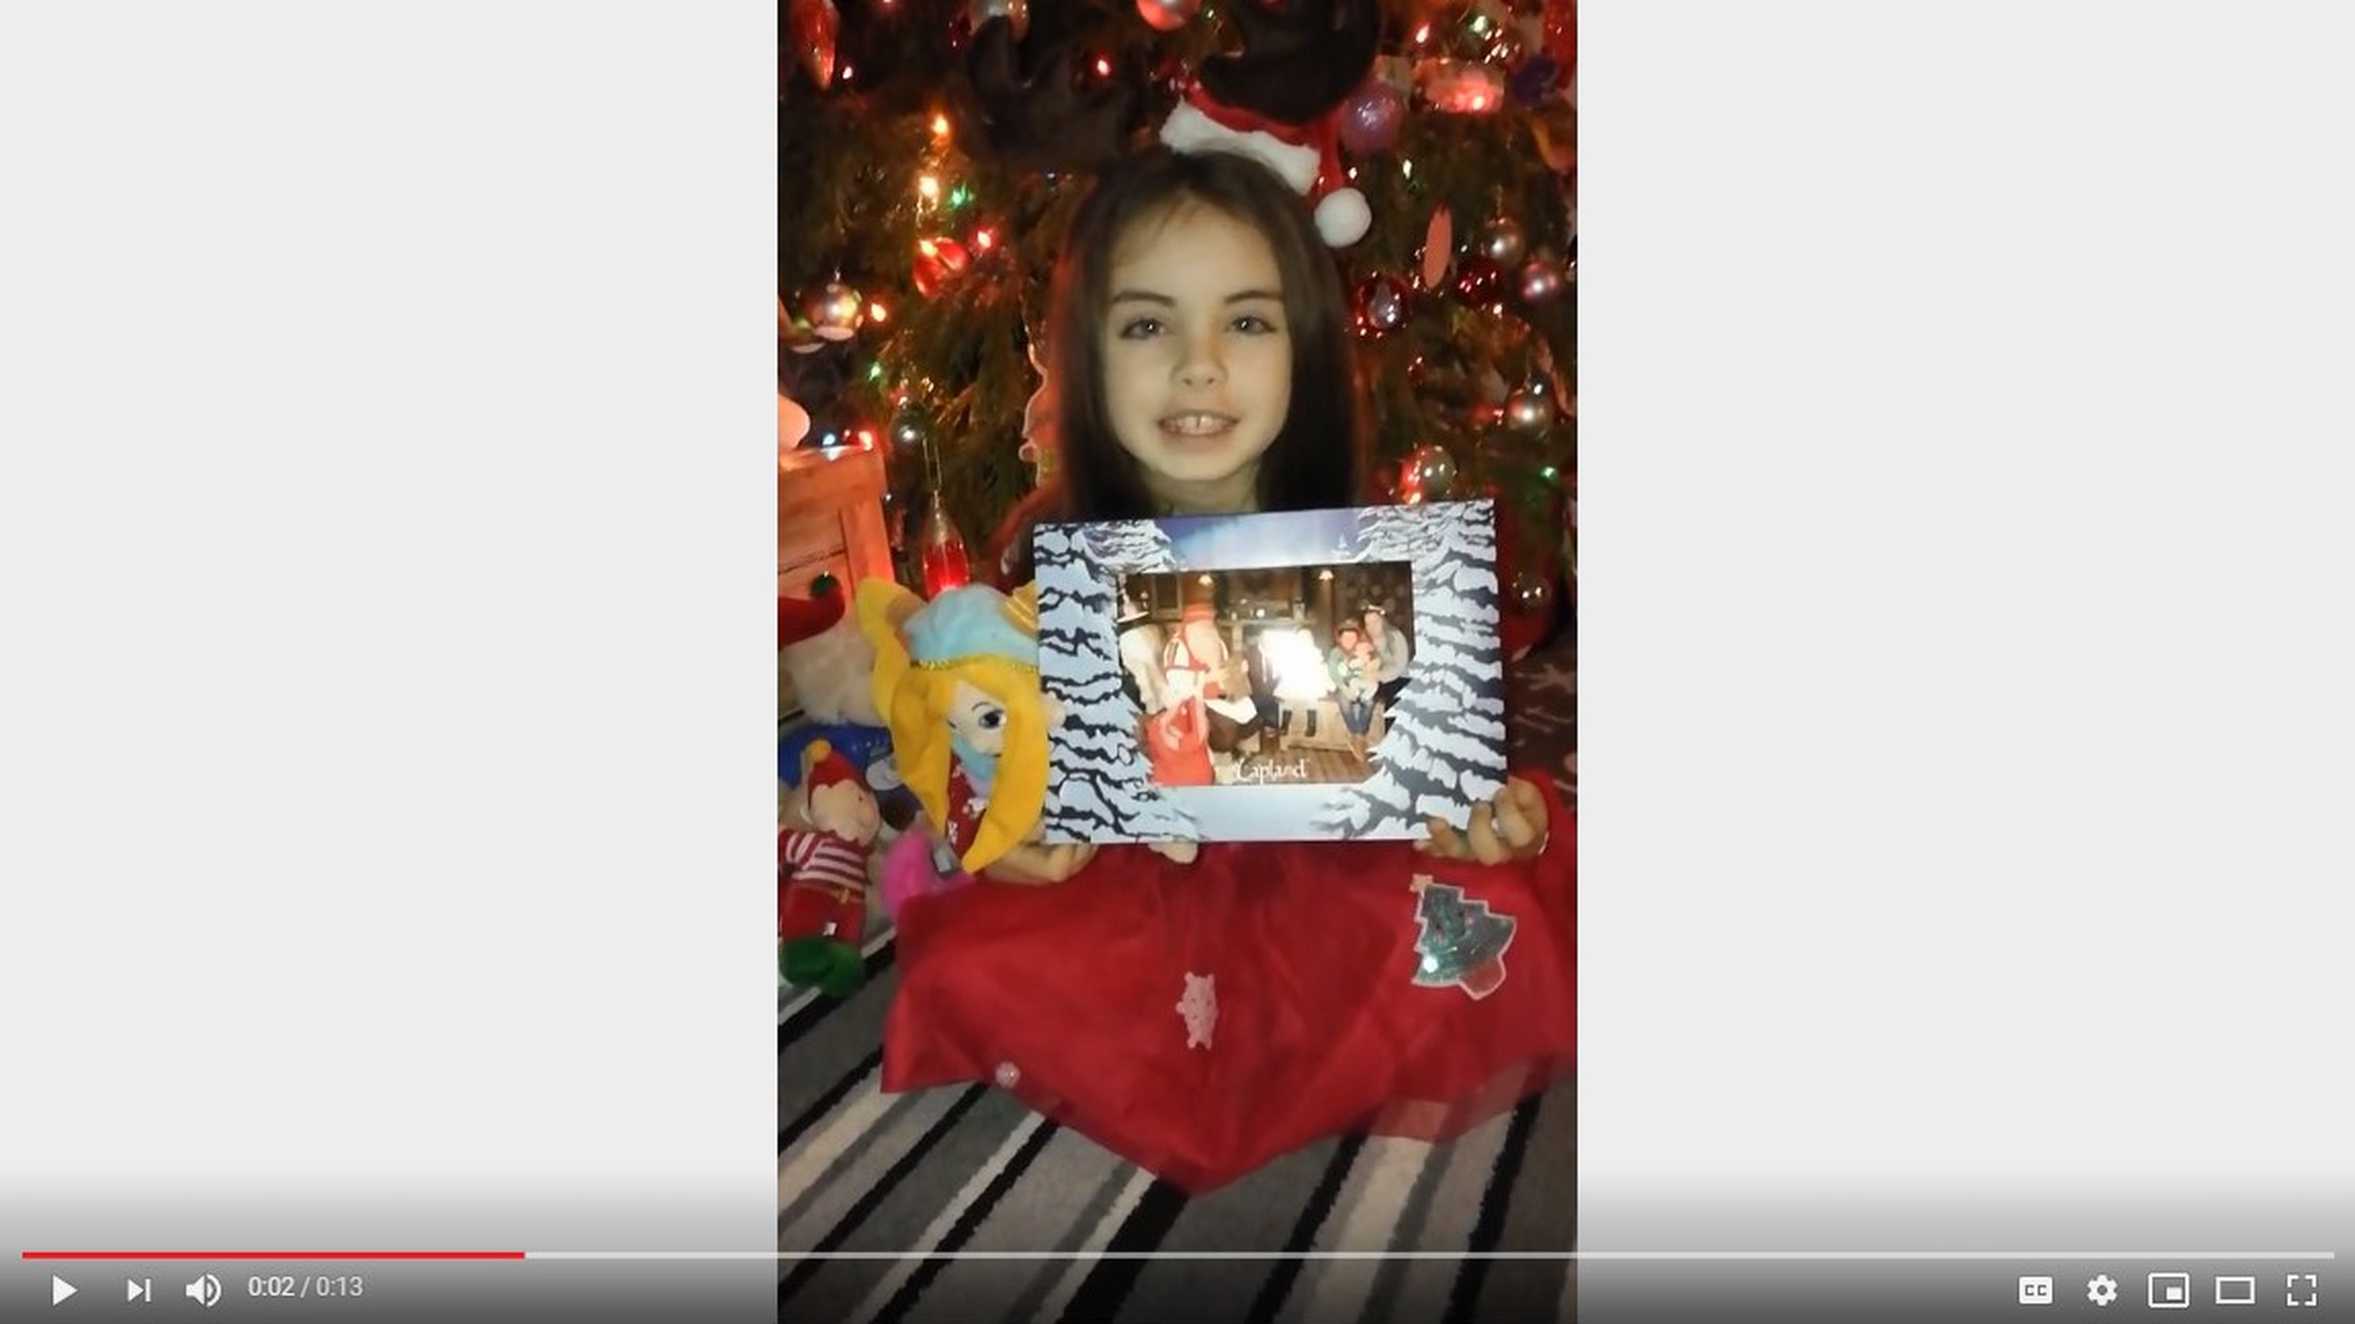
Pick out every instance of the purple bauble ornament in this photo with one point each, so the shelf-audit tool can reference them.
(1370, 118)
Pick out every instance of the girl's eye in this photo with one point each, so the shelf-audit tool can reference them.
(1254, 324)
(992, 720)
(1141, 328)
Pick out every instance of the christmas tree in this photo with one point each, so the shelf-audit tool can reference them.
(925, 186)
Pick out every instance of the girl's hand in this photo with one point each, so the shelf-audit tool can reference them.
(1510, 827)
(1183, 852)
(1034, 864)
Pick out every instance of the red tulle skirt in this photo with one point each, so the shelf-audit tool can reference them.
(1089, 999)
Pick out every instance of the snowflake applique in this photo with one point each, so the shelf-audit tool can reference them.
(1199, 1007)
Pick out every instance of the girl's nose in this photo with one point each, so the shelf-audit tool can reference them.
(1201, 366)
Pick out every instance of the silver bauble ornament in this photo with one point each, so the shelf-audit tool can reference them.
(834, 311)
(1016, 12)
(1528, 413)
(793, 422)
(798, 336)
(1503, 242)
(1383, 304)
(907, 432)
(1541, 281)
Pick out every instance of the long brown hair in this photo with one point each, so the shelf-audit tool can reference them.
(1317, 458)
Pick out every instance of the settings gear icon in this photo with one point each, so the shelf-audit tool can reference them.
(2101, 1289)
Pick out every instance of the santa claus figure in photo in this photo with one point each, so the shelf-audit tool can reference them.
(1200, 671)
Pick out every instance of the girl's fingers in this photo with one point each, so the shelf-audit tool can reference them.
(1534, 808)
(1019, 865)
(1040, 864)
(1485, 847)
(1513, 820)
(1510, 827)
(1444, 842)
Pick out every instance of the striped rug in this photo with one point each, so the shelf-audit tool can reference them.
(969, 1169)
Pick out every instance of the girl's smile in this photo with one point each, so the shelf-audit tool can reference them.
(1199, 424)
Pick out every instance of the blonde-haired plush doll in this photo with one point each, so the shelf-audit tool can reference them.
(956, 680)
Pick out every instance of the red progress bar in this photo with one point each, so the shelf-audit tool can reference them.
(273, 1255)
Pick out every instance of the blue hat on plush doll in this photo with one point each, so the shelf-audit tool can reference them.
(972, 621)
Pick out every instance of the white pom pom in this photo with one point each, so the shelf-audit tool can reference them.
(1343, 217)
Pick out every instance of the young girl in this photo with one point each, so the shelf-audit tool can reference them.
(1203, 1012)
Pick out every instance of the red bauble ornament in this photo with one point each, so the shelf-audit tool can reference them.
(1168, 15)
(945, 563)
(939, 261)
(1478, 280)
(1461, 87)
(811, 27)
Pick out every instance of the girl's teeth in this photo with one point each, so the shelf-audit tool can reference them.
(1195, 425)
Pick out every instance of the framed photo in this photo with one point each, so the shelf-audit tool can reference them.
(1300, 675)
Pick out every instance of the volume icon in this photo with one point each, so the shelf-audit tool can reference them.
(205, 1291)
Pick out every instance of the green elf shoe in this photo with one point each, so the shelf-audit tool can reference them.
(834, 968)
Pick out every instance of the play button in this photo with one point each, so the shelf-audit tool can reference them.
(59, 1289)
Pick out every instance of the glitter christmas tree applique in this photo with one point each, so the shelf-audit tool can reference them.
(1461, 943)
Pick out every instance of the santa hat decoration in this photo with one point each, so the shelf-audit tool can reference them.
(824, 767)
(1305, 156)
(800, 619)
(1278, 100)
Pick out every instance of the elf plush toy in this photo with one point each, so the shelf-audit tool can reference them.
(822, 876)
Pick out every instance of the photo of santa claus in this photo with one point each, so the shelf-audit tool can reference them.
(1261, 676)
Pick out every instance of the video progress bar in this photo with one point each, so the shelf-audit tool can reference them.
(272, 1254)
(1592, 1255)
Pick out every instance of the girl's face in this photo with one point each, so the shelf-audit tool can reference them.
(1197, 358)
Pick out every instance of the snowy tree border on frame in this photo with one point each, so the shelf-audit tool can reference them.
(1443, 752)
